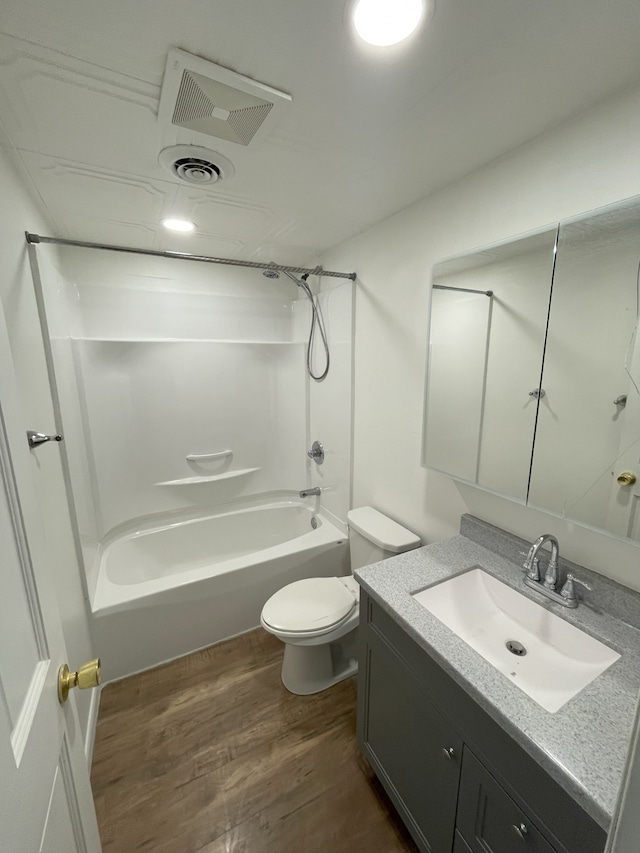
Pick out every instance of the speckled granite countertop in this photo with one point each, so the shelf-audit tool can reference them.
(584, 744)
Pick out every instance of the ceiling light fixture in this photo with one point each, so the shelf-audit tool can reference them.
(386, 22)
(183, 225)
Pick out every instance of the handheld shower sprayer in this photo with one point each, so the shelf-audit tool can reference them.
(317, 320)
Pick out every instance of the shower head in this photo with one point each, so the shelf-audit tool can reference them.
(269, 272)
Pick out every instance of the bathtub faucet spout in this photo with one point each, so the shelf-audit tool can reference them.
(308, 493)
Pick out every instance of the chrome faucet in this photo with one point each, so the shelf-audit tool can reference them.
(309, 493)
(532, 565)
(567, 596)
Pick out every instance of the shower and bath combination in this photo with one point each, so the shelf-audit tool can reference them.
(177, 558)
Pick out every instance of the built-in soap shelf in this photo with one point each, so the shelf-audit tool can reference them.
(208, 478)
(209, 457)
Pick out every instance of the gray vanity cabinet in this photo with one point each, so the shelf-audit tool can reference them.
(414, 747)
(459, 782)
(489, 819)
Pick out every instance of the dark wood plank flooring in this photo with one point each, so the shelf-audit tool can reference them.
(210, 754)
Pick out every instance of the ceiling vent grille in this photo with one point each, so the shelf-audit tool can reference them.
(195, 165)
(206, 98)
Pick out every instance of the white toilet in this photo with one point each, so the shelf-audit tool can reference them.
(317, 618)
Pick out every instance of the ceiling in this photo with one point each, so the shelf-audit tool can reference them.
(369, 130)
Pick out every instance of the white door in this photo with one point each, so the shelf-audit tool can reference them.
(45, 793)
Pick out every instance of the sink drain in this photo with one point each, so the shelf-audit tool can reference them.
(516, 648)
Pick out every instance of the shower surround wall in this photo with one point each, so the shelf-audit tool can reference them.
(330, 401)
(157, 359)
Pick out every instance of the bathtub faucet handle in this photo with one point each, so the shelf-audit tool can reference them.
(316, 453)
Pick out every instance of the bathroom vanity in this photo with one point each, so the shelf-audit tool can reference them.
(470, 761)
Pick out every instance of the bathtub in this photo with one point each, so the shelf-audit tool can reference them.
(166, 589)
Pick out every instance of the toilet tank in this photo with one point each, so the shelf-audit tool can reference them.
(374, 537)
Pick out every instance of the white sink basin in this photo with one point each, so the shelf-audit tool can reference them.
(487, 614)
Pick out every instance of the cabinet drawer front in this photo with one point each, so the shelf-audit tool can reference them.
(489, 820)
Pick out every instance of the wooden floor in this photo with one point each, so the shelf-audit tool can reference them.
(210, 754)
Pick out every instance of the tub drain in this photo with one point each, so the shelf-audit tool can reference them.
(314, 522)
(516, 648)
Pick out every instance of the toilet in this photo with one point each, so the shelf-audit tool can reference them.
(317, 618)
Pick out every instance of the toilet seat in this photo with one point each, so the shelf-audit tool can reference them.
(311, 607)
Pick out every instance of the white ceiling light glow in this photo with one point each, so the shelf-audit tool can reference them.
(386, 22)
(183, 225)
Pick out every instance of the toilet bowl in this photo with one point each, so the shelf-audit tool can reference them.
(317, 618)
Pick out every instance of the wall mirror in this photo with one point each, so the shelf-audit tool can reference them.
(533, 387)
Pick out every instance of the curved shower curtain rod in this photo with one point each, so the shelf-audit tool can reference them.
(187, 256)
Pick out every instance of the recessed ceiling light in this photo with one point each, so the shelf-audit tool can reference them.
(387, 22)
(178, 224)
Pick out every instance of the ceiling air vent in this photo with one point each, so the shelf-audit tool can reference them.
(195, 165)
(204, 97)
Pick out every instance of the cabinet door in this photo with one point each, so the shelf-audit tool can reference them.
(489, 820)
(414, 751)
(460, 845)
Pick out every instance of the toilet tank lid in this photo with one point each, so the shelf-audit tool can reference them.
(382, 531)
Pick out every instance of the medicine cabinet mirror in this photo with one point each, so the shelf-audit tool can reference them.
(533, 386)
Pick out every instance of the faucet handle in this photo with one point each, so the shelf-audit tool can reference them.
(533, 568)
(317, 452)
(573, 578)
(568, 591)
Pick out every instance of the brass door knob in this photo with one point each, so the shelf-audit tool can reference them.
(87, 676)
(626, 478)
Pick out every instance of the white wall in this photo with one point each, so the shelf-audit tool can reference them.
(18, 213)
(589, 162)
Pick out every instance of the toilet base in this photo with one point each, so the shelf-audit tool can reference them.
(311, 669)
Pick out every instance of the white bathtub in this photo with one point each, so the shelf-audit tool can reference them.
(164, 590)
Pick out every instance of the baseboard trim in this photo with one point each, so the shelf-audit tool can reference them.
(177, 657)
(92, 722)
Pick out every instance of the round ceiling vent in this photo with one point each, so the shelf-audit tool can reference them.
(195, 165)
